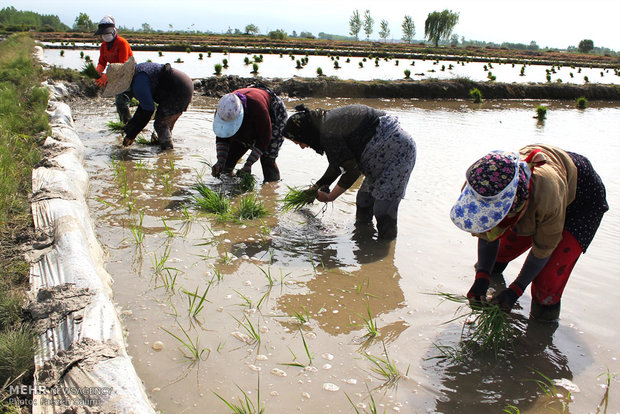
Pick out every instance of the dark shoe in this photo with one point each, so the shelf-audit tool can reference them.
(548, 313)
(166, 145)
(386, 228)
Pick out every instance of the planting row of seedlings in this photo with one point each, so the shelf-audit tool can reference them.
(485, 329)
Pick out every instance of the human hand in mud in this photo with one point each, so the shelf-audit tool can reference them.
(507, 298)
(477, 294)
(127, 141)
(101, 82)
(245, 170)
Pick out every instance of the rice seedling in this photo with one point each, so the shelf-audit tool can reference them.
(252, 332)
(137, 230)
(89, 71)
(169, 279)
(165, 178)
(267, 274)
(372, 406)
(249, 207)
(582, 102)
(306, 349)
(247, 302)
(476, 95)
(115, 126)
(246, 406)
(210, 201)
(142, 140)
(247, 182)
(511, 409)
(254, 68)
(486, 328)
(301, 317)
(541, 112)
(555, 396)
(370, 324)
(296, 198)
(217, 68)
(604, 404)
(319, 72)
(195, 301)
(169, 232)
(191, 346)
(384, 368)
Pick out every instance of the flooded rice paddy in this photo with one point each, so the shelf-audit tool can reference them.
(357, 68)
(288, 299)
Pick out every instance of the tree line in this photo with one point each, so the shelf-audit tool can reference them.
(438, 27)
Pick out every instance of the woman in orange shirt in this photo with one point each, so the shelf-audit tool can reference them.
(114, 49)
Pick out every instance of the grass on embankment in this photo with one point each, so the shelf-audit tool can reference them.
(22, 121)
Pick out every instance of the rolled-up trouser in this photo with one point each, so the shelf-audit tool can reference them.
(385, 211)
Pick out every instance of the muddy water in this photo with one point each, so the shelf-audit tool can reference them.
(285, 67)
(321, 270)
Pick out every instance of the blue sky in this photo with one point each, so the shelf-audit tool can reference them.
(553, 23)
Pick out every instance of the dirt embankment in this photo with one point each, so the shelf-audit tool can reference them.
(429, 89)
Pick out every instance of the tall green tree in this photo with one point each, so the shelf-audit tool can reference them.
(586, 45)
(384, 32)
(369, 22)
(438, 25)
(83, 23)
(355, 24)
(408, 29)
(251, 29)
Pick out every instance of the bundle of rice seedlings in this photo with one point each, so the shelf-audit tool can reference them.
(297, 198)
(247, 182)
(486, 326)
(89, 70)
(115, 126)
(210, 201)
(249, 207)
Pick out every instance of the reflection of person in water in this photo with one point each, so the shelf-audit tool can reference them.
(482, 383)
(342, 299)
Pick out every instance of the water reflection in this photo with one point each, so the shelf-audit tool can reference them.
(518, 377)
(340, 301)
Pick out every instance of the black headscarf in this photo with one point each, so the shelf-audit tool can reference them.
(304, 127)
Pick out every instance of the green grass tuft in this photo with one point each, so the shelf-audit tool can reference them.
(210, 201)
(249, 207)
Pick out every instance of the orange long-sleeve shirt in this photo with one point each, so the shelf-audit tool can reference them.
(118, 53)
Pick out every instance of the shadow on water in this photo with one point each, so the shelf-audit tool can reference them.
(342, 301)
(523, 376)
